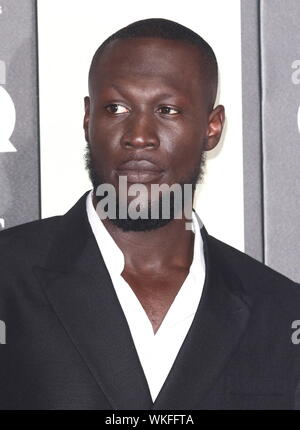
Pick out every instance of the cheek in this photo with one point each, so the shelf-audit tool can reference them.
(184, 151)
(104, 141)
(100, 133)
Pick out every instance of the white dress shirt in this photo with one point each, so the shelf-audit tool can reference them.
(156, 352)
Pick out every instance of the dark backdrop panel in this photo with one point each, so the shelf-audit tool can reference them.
(280, 40)
(19, 152)
(252, 131)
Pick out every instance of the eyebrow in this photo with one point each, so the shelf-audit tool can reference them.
(170, 94)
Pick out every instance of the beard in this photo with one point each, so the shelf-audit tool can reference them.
(146, 222)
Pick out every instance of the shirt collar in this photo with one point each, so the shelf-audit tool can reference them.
(113, 256)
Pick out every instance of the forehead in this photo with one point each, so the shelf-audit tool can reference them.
(166, 62)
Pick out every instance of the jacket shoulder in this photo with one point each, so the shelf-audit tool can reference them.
(256, 277)
(22, 242)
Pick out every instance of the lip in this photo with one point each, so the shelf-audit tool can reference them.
(140, 171)
(140, 176)
(139, 165)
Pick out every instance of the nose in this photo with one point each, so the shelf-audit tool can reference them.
(140, 132)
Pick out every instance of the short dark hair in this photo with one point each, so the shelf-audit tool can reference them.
(164, 29)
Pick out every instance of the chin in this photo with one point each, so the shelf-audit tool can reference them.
(140, 224)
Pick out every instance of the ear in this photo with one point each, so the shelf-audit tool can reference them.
(86, 118)
(215, 126)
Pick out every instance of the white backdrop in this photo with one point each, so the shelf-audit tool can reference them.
(69, 33)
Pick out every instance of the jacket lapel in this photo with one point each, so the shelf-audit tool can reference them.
(220, 320)
(80, 291)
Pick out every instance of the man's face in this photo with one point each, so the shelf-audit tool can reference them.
(149, 116)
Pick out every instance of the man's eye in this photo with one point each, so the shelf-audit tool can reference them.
(116, 108)
(168, 110)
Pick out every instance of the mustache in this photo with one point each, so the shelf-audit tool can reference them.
(141, 161)
(133, 161)
(97, 178)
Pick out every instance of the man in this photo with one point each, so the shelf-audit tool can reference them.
(144, 312)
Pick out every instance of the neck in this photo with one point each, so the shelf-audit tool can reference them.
(167, 247)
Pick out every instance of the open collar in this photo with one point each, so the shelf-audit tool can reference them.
(79, 289)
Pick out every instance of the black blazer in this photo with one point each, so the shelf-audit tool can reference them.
(68, 345)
